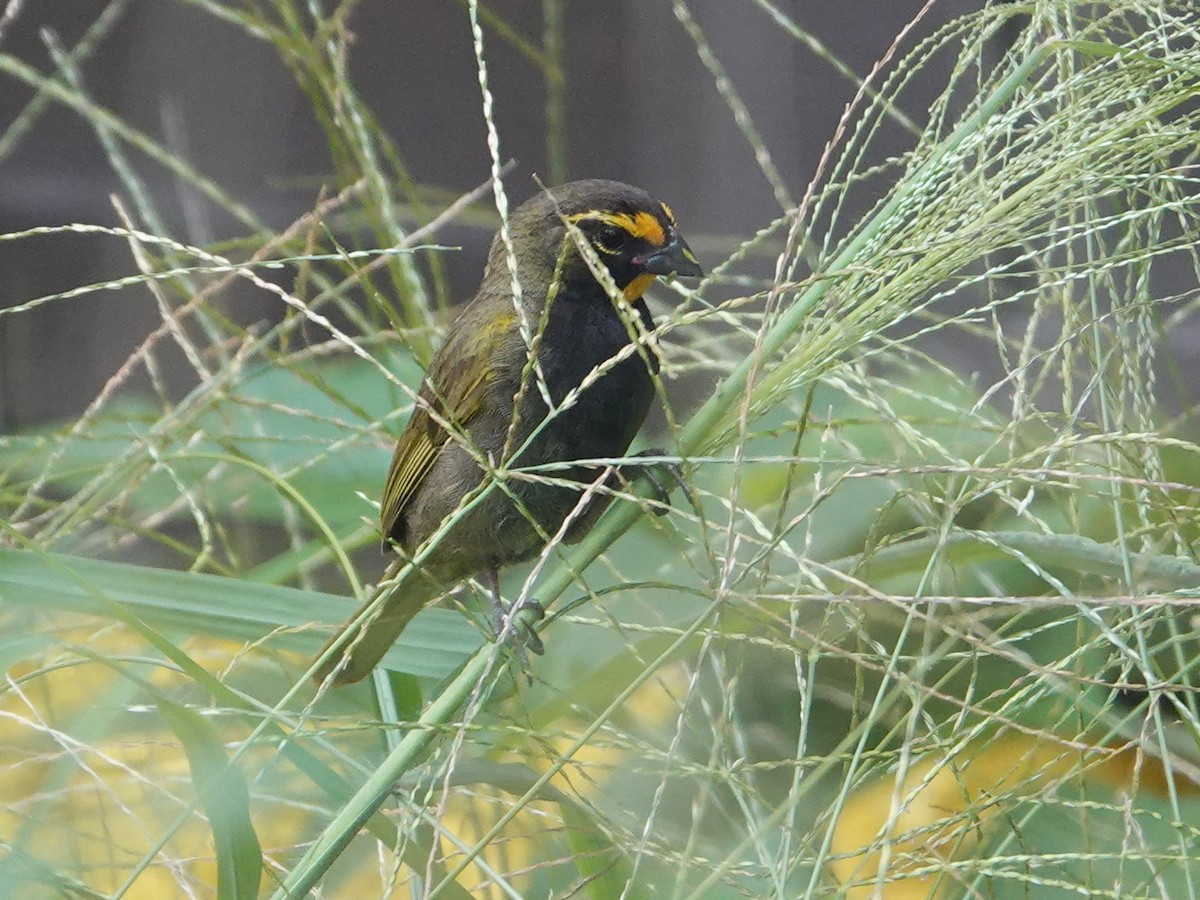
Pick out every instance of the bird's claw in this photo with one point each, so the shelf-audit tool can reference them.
(654, 473)
(517, 623)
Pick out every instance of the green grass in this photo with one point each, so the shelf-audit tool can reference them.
(903, 640)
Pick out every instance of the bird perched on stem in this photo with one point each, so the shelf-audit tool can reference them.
(557, 371)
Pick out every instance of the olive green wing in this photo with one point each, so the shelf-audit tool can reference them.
(454, 391)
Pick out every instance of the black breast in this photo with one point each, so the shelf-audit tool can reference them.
(606, 415)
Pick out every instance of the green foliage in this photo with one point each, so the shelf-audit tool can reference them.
(889, 566)
(222, 792)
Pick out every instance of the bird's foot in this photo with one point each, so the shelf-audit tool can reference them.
(516, 623)
(662, 476)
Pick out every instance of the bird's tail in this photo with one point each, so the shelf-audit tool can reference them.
(362, 644)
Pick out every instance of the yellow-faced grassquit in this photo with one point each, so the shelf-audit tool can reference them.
(485, 406)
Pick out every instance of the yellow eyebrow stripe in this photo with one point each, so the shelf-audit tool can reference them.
(639, 225)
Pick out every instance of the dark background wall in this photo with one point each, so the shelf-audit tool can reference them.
(641, 107)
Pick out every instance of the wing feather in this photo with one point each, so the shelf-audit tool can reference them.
(461, 370)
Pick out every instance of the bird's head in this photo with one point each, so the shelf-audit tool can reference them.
(632, 234)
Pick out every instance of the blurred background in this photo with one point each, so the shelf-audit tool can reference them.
(943, 575)
(635, 104)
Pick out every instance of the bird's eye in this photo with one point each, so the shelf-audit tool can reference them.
(610, 239)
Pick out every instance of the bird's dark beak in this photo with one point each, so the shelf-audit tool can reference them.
(674, 258)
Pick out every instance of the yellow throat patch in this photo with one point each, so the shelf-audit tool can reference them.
(634, 290)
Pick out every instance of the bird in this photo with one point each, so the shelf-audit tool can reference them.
(550, 373)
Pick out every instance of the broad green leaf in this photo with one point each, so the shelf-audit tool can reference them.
(433, 646)
(319, 428)
(222, 793)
